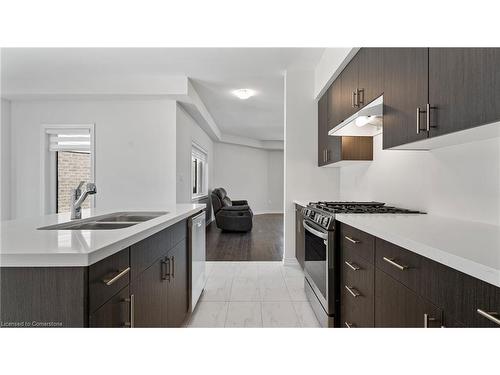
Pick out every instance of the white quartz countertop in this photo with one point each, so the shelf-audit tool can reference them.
(301, 203)
(469, 247)
(23, 245)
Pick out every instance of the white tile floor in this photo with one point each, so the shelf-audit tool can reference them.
(253, 294)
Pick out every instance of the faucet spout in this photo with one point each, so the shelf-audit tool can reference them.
(77, 198)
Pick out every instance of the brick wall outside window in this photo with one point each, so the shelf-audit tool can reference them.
(72, 167)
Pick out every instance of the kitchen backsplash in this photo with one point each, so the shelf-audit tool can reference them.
(461, 181)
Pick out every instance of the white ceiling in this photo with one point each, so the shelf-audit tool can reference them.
(215, 72)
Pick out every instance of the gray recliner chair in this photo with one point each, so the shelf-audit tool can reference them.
(235, 216)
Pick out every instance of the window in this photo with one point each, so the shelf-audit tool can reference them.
(199, 174)
(68, 160)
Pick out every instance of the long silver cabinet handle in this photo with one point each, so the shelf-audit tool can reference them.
(173, 266)
(428, 319)
(132, 311)
(353, 291)
(428, 117)
(491, 316)
(348, 325)
(352, 266)
(360, 101)
(419, 112)
(393, 263)
(115, 278)
(351, 239)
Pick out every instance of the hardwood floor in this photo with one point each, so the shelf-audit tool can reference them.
(263, 243)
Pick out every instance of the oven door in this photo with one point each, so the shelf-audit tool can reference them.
(316, 261)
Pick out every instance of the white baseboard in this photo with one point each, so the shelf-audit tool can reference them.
(267, 212)
(290, 261)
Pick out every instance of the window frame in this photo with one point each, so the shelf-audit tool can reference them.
(48, 166)
(196, 148)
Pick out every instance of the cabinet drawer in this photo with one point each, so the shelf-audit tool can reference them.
(143, 254)
(401, 264)
(113, 314)
(488, 302)
(358, 242)
(107, 277)
(357, 304)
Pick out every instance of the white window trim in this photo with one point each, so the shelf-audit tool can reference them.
(48, 163)
(198, 197)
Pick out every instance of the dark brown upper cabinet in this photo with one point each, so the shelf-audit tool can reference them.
(464, 88)
(334, 94)
(329, 148)
(405, 95)
(371, 74)
(349, 89)
(322, 129)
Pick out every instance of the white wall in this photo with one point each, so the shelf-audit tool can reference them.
(329, 66)
(5, 161)
(188, 131)
(245, 173)
(460, 181)
(303, 179)
(275, 180)
(135, 151)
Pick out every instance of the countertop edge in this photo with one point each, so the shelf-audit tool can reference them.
(87, 259)
(466, 266)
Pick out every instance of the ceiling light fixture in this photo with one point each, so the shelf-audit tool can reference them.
(244, 93)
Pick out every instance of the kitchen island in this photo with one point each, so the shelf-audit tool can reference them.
(134, 276)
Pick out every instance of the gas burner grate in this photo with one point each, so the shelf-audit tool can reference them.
(360, 208)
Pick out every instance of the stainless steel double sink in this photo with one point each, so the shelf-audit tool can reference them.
(115, 220)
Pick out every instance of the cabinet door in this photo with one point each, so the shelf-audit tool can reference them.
(464, 88)
(115, 313)
(451, 290)
(333, 144)
(488, 301)
(405, 90)
(371, 74)
(178, 285)
(398, 306)
(322, 129)
(150, 297)
(349, 83)
(299, 237)
(335, 103)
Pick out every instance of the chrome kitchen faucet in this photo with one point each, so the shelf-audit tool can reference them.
(77, 198)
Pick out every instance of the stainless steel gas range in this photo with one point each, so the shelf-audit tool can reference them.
(322, 255)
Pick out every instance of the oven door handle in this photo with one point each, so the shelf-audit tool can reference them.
(316, 232)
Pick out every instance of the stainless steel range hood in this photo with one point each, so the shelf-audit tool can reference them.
(366, 122)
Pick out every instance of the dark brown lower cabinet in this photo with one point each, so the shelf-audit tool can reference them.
(150, 297)
(161, 292)
(397, 306)
(357, 293)
(177, 295)
(115, 313)
(385, 285)
(299, 237)
(453, 291)
(487, 306)
(145, 285)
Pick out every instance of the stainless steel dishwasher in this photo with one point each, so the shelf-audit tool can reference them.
(197, 257)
